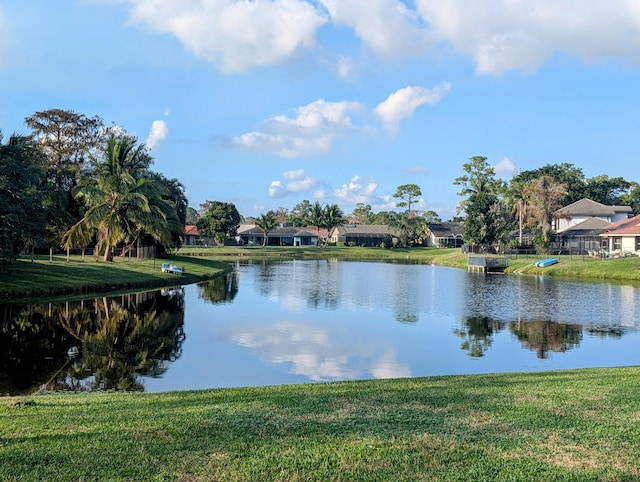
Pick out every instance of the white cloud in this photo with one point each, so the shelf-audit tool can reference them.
(355, 191)
(158, 133)
(498, 35)
(387, 27)
(310, 132)
(235, 35)
(403, 102)
(502, 35)
(297, 182)
(505, 166)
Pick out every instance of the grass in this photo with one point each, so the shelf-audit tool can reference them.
(45, 277)
(563, 425)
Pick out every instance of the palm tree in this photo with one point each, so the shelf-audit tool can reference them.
(316, 216)
(332, 217)
(266, 222)
(123, 200)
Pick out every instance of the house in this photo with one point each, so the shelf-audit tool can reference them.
(190, 235)
(583, 237)
(579, 211)
(369, 235)
(578, 226)
(282, 236)
(445, 235)
(622, 238)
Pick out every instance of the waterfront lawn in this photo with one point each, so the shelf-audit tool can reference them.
(563, 425)
(47, 276)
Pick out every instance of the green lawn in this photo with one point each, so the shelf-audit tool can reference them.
(45, 277)
(577, 425)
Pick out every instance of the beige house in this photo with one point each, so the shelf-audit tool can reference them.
(622, 238)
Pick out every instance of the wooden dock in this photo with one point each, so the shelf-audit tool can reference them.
(487, 264)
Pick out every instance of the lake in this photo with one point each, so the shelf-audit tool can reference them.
(300, 321)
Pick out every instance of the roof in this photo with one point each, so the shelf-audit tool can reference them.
(364, 229)
(588, 227)
(286, 231)
(629, 227)
(190, 230)
(446, 230)
(588, 207)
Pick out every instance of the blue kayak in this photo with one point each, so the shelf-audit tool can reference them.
(543, 263)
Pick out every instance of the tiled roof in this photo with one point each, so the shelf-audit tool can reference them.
(587, 207)
(380, 229)
(190, 230)
(588, 227)
(629, 226)
(443, 230)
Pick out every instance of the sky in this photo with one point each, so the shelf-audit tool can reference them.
(265, 103)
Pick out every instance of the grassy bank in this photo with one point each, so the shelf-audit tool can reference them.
(45, 277)
(564, 425)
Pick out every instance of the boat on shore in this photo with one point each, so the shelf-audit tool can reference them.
(543, 263)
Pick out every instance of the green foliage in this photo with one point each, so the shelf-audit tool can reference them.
(408, 193)
(219, 220)
(22, 185)
(266, 222)
(484, 221)
(124, 200)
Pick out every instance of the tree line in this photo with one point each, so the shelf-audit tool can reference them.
(75, 182)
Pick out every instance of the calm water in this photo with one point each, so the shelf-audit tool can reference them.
(310, 321)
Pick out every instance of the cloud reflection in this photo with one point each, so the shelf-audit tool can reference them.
(312, 351)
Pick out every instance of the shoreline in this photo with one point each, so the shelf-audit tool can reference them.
(24, 280)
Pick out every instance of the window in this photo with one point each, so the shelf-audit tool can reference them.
(617, 242)
(637, 243)
(604, 243)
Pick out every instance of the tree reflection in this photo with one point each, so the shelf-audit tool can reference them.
(546, 336)
(221, 289)
(33, 347)
(477, 334)
(105, 343)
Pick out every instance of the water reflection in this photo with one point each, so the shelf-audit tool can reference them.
(105, 343)
(221, 289)
(305, 320)
(477, 334)
(544, 336)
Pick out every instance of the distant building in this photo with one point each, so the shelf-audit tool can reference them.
(369, 235)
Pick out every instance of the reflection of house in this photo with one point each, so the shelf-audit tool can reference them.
(369, 235)
(287, 236)
(578, 226)
(623, 237)
(445, 235)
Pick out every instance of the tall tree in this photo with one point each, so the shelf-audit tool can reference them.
(68, 139)
(219, 220)
(316, 217)
(22, 178)
(300, 214)
(480, 189)
(266, 222)
(408, 193)
(571, 176)
(361, 214)
(543, 197)
(123, 201)
(332, 217)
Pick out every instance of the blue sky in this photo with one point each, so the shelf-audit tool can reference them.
(265, 103)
